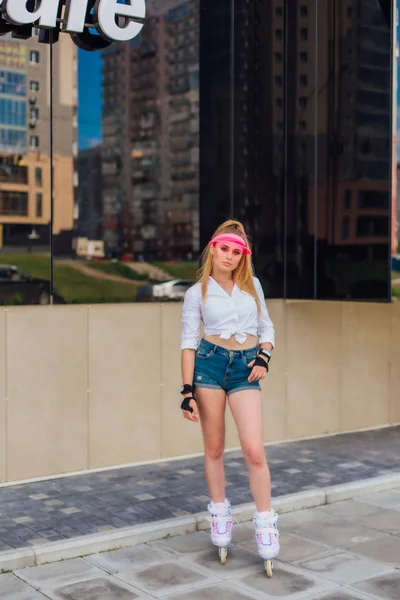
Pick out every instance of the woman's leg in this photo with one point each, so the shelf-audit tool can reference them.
(246, 410)
(211, 404)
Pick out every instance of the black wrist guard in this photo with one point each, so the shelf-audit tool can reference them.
(185, 403)
(260, 362)
(187, 389)
(265, 353)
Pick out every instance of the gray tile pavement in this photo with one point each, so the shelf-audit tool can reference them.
(187, 568)
(68, 507)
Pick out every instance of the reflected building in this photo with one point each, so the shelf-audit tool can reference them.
(90, 193)
(25, 199)
(150, 136)
(309, 93)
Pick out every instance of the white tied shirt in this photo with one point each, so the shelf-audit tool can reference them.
(225, 315)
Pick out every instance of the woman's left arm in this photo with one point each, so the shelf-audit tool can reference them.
(266, 331)
(266, 338)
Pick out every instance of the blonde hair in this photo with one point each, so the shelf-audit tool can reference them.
(242, 275)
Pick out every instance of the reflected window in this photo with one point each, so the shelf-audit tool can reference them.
(303, 11)
(303, 80)
(303, 102)
(373, 199)
(278, 34)
(12, 83)
(279, 11)
(34, 114)
(372, 226)
(278, 80)
(345, 228)
(34, 86)
(39, 205)
(303, 57)
(13, 112)
(38, 176)
(34, 57)
(304, 33)
(278, 57)
(279, 102)
(347, 199)
(13, 203)
(34, 141)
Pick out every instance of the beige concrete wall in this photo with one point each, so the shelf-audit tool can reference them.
(90, 387)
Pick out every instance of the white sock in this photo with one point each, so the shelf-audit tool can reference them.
(265, 514)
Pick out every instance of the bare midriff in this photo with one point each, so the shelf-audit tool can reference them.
(232, 343)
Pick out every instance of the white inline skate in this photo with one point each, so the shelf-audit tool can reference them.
(221, 527)
(267, 537)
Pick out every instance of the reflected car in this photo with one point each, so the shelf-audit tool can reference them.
(167, 291)
(17, 287)
(171, 290)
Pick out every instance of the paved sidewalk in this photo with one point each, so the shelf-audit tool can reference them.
(344, 551)
(69, 507)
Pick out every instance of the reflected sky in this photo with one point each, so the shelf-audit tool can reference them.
(89, 113)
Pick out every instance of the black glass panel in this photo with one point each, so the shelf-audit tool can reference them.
(296, 140)
(355, 149)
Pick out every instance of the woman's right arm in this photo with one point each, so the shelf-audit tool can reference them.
(191, 320)
(187, 368)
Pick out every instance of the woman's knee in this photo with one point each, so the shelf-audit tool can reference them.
(254, 456)
(214, 452)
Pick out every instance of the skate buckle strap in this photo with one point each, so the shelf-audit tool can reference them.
(272, 530)
(220, 519)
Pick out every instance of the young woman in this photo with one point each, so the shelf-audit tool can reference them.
(228, 363)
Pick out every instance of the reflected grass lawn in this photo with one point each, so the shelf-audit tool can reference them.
(118, 268)
(78, 288)
(75, 287)
(179, 270)
(36, 265)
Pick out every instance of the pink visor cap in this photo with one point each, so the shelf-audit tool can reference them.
(231, 238)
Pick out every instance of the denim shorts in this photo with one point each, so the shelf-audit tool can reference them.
(219, 368)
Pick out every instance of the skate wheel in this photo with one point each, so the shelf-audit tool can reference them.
(268, 568)
(223, 553)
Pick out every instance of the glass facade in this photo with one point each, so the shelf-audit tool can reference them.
(117, 165)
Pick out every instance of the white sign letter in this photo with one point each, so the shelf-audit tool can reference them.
(16, 13)
(107, 11)
(75, 14)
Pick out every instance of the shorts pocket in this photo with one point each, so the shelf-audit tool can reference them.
(204, 353)
(249, 357)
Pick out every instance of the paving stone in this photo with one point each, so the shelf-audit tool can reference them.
(383, 520)
(173, 576)
(340, 594)
(384, 587)
(103, 588)
(11, 587)
(347, 509)
(193, 542)
(213, 592)
(386, 499)
(339, 532)
(294, 548)
(342, 567)
(386, 550)
(287, 583)
(125, 559)
(239, 559)
(56, 574)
